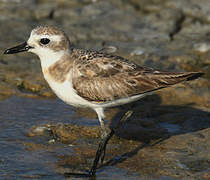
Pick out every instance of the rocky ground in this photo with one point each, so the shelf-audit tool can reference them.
(164, 34)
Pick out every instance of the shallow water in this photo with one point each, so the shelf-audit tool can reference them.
(17, 116)
(172, 128)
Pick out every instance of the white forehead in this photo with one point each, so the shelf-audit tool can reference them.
(36, 36)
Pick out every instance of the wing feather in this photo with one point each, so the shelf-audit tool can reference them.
(103, 77)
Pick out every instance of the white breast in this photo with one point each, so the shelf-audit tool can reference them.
(66, 92)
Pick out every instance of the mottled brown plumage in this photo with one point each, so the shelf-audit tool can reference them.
(60, 69)
(101, 77)
(64, 42)
(48, 30)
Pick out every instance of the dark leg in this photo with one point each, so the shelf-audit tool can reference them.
(109, 136)
(100, 154)
(120, 123)
(100, 151)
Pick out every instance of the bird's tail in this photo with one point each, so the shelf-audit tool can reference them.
(194, 75)
(164, 79)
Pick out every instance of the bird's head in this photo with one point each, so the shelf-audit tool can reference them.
(44, 41)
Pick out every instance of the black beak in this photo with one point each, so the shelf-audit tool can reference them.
(20, 48)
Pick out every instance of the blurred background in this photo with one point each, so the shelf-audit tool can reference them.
(163, 34)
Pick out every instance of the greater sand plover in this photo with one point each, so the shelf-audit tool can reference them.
(93, 79)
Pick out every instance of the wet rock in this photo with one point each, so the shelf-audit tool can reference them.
(70, 161)
(177, 156)
(193, 8)
(45, 12)
(65, 133)
(47, 93)
(40, 131)
(173, 163)
(203, 47)
(30, 146)
(6, 91)
(138, 51)
(31, 86)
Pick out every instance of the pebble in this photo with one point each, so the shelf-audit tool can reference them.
(137, 52)
(202, 47)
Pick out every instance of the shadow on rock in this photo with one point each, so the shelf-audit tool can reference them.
(151, 120)
(153, 123)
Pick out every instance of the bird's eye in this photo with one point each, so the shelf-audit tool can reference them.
(44, 41)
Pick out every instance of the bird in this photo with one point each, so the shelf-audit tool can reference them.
(94, 79)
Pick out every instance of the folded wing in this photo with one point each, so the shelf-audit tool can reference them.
(107, 77)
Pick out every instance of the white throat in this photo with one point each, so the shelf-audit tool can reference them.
(49, 58)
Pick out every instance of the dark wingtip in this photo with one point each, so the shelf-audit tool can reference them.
(195, 76)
